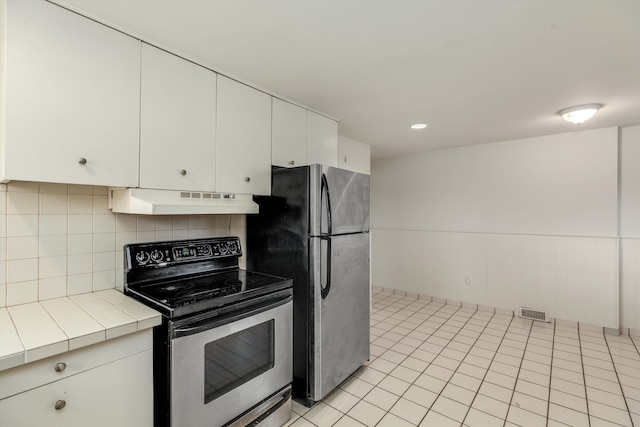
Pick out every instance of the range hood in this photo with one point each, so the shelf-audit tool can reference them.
(144, 201)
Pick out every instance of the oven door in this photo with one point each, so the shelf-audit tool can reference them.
(224, 365)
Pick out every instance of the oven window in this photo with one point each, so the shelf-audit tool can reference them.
(237, 358)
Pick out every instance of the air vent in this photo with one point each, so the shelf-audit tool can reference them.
(529, 313)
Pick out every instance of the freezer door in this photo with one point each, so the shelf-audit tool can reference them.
(341, 317)
(339, 201)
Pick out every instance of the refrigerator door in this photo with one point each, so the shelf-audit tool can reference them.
(341, 318)
(339, 201)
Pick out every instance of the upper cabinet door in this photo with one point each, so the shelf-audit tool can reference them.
(243, 139)
(177, 123)
(323, 140)
(72, 93)
(289, 134)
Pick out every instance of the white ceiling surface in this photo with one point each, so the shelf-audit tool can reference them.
(475, 71)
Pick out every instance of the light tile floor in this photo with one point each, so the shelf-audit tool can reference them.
(434, 364)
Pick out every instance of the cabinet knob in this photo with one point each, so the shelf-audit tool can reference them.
(82, 161)
(248, 179)
(292, 163)
(183, 172)
(60, 367)
(60, 404)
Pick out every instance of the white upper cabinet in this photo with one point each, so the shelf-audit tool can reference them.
(289, 134)
(354, 155)
(243, 139)
(177, 123)
(71, 92)
(322, 139)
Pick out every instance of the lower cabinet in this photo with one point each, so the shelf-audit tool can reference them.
(118, 393)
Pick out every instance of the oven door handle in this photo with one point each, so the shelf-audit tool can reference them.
(261, 305)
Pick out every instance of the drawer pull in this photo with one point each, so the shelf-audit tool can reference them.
(183, 172)
(60, 404)
(60, 367)
(247, 179)
(292, 162)
(82, 161)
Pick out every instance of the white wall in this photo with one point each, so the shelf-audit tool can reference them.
(532, 222)
(630, 227)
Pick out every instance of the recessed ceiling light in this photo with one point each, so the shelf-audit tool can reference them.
(579, 113)
(418, 126)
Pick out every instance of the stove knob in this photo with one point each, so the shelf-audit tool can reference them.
(233, 247)
(156, 256)
(224, 249)
(142, 257)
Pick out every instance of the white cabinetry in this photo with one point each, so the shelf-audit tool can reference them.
(243, 139)
(177, 123)
(322, 139)
(82, 388)
(289, 134)
(354, 155)
(71, 91)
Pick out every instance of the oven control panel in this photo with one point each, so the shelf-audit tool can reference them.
(160, 254)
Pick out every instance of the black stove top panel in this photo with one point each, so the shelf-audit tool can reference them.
(170, 253)
(217, 285)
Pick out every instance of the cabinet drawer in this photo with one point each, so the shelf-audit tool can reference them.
(116, 394)
(45, 371)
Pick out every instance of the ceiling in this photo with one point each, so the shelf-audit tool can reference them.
(475, 71)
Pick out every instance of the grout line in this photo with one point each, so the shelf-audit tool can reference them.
(553, 346)
(584, 376)
(613, 362)
(524, 351)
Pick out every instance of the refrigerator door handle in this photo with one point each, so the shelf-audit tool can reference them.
(324, 290)
(325, 190)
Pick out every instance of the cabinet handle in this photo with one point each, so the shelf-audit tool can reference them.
(248, 179)
(82, 161)
(60, 367)
(183, 172)
(292, 163)
(60, 404)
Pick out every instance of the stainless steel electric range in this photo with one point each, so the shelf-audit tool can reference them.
(223, 354)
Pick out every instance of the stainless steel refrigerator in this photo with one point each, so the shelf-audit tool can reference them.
(314, 228)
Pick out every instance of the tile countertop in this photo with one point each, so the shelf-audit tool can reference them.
(30, 332)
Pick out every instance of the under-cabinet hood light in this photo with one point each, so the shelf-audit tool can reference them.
(418, 126)
(143, 201)
(579, 113)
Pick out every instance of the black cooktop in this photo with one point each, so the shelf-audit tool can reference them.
(186, 277)
(175, 293)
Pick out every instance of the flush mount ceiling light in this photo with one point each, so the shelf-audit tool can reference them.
(418, 126)
(579, 113)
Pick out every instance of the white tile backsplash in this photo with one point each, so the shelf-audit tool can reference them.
(22, 292)
(79, 283)
(80, 204)
(22, 270)
(58, 240)
(50, 246)
(22, 225)
(22, 203)
(104, 242)
(53, 204)
(53, 266)
(53, 224)
(80, 244)
(22, 247)
(79, 224)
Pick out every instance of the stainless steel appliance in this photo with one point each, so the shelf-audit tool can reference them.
(314, 228)
(223, 354)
